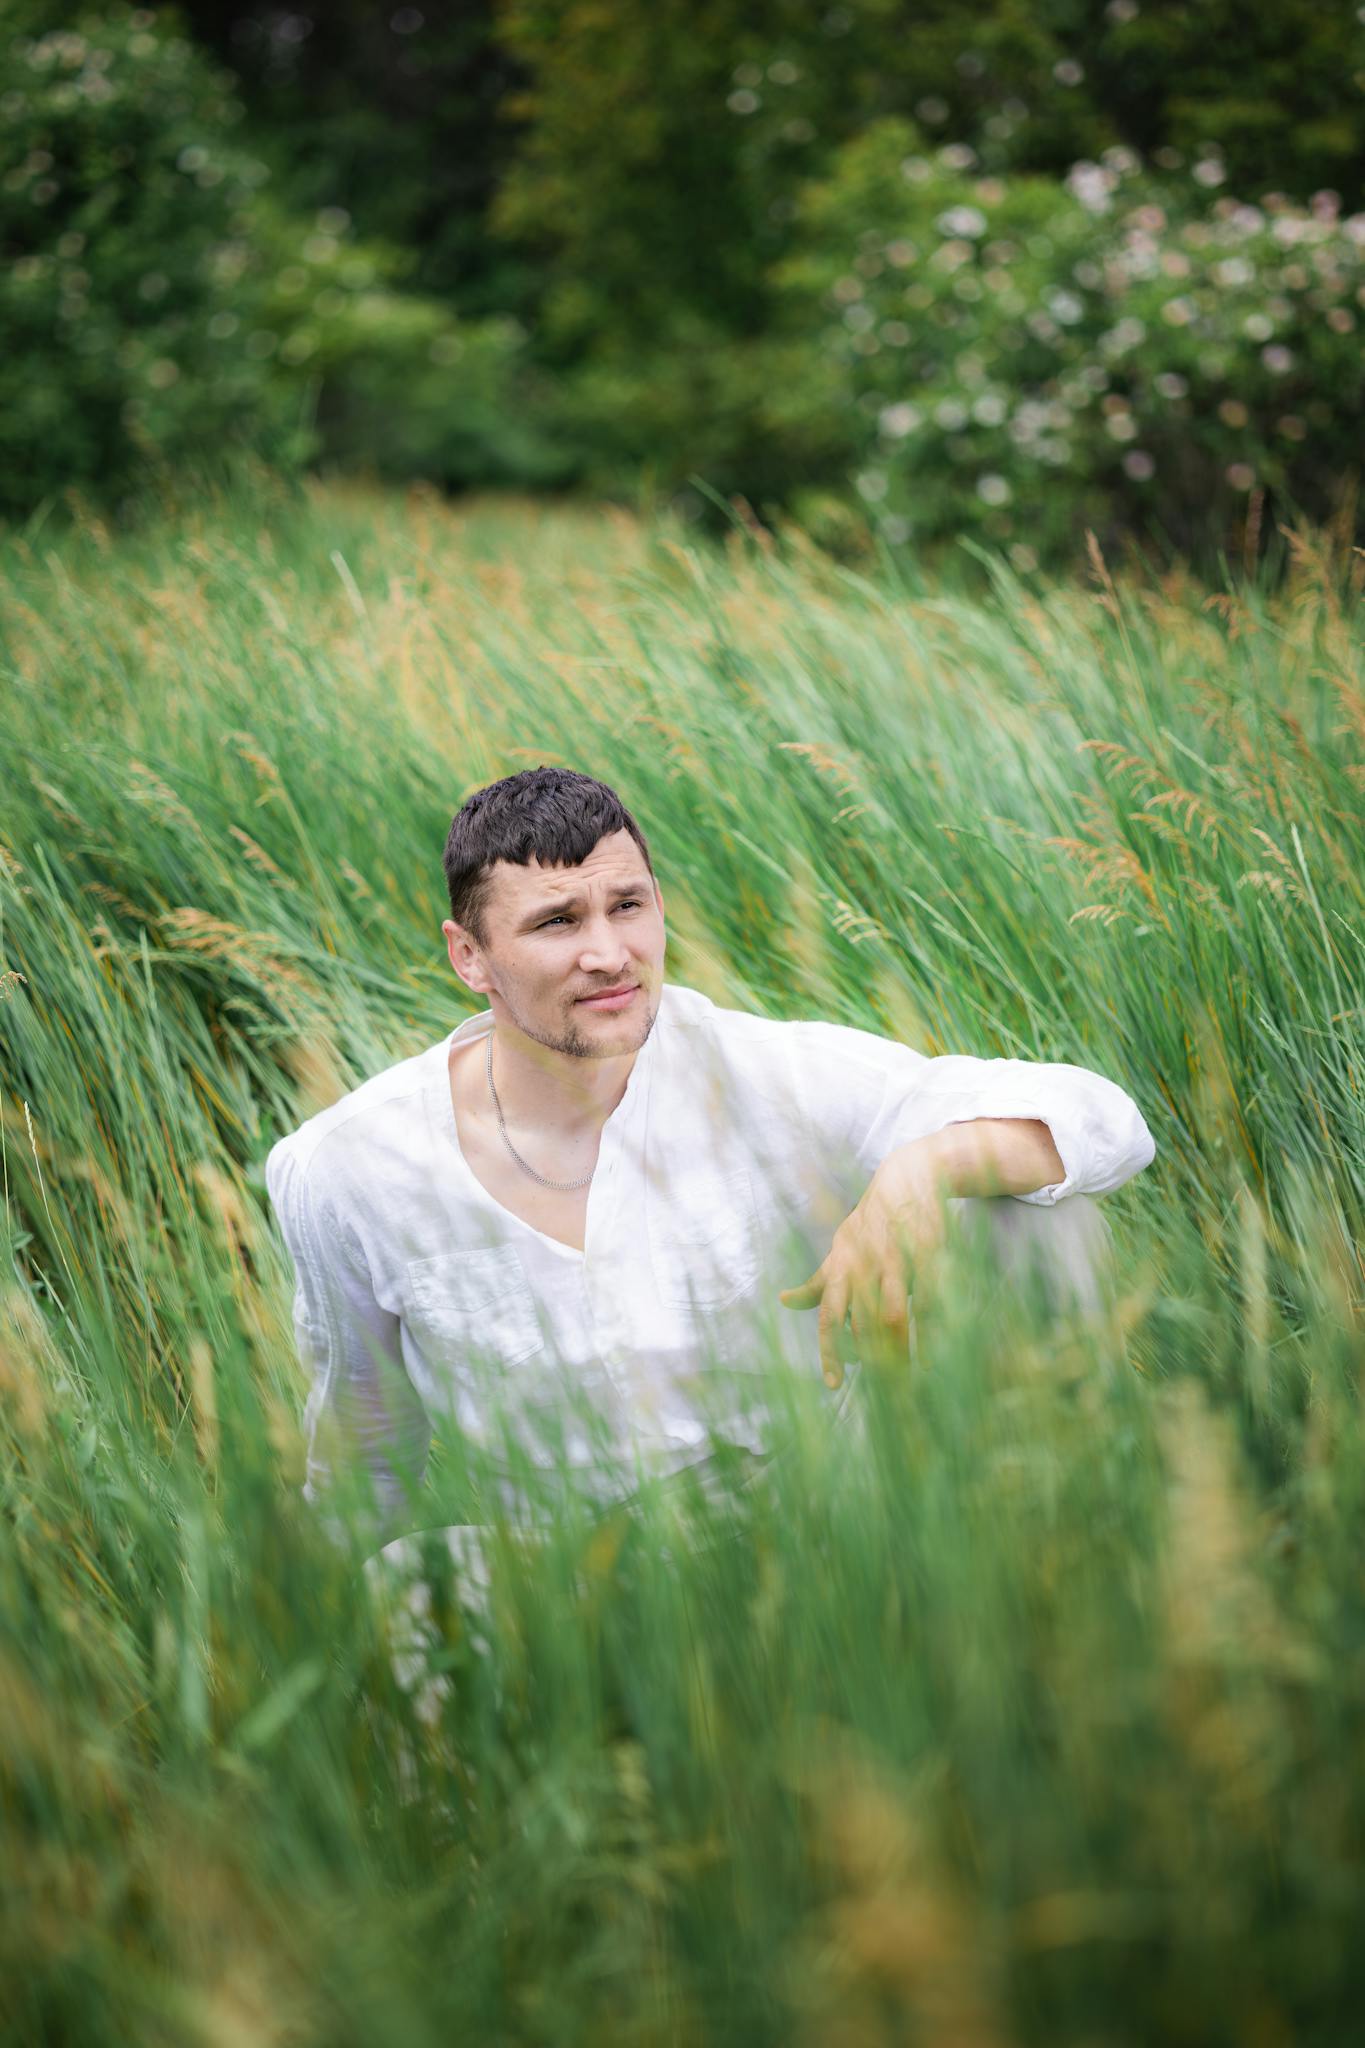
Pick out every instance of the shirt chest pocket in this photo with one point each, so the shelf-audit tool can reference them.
(473, 1306)
(705, 1241)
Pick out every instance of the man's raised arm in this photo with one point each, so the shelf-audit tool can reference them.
(1098, 1135)
(928, 1130)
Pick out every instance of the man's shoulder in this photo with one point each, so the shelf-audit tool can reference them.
(689, 1011)
(777, 1067)
(373, 1115)
(745, 1031)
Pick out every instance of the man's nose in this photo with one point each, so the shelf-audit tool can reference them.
(602, 941)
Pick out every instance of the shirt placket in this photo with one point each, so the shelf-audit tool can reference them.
(604, 1300)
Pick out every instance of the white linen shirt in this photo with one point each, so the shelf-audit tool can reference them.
(739, 1145)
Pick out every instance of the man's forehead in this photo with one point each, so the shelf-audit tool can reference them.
(606, 862)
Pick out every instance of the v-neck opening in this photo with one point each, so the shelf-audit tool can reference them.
(445, 1118)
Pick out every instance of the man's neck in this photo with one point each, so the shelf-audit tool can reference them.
(561, 1095)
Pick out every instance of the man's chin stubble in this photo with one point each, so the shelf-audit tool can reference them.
(576, 1047)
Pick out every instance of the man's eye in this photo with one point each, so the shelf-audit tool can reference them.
(628, 903)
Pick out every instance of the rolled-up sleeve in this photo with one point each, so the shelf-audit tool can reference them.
(361, 1404)
(875, 1094)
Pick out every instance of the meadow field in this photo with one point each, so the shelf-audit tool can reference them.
(1033, 1714)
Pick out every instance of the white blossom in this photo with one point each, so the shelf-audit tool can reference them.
(896, 421)
(1128, 333)
(962, 220)
(1091, 185)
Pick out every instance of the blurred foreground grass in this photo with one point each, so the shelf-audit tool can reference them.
(1033, 1713)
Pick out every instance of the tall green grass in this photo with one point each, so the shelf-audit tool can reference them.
(1032, 1711)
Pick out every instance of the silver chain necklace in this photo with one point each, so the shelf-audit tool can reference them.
(560, 1184)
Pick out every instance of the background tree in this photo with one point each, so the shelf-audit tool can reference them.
(557, 242)
(396, 113)
(162, 306)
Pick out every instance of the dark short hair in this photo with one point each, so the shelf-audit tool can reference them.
(553, 815)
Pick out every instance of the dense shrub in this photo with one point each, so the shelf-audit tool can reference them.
(719, 259)
(1018, 359)
(159, 305)
(662, 144)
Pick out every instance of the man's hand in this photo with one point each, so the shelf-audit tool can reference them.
(889, 1242)
(894, 1236)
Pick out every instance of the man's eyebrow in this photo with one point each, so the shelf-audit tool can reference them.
(638, 887)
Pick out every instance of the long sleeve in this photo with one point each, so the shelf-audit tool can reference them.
(362, 1407)
(1098, 1130)
(873, 1094)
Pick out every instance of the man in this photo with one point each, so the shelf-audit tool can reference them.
(585, 1196)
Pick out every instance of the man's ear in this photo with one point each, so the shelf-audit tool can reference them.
(659, 897)
(465, 957)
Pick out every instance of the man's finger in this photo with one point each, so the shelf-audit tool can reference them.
(833, 1309)
(895, 1299)
(807, 1294)
(866, 1308)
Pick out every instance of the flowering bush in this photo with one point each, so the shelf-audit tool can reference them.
(1018, 360)
(158, 304)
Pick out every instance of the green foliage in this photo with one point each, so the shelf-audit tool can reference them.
(1273, 90)
(663, 144)
(396, 114)
(159, 306)
(545, 242)
(698, 191)
(1016, 361)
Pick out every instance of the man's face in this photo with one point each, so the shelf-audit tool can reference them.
(560, 935)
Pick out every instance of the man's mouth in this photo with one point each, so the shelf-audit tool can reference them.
(611, 998)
